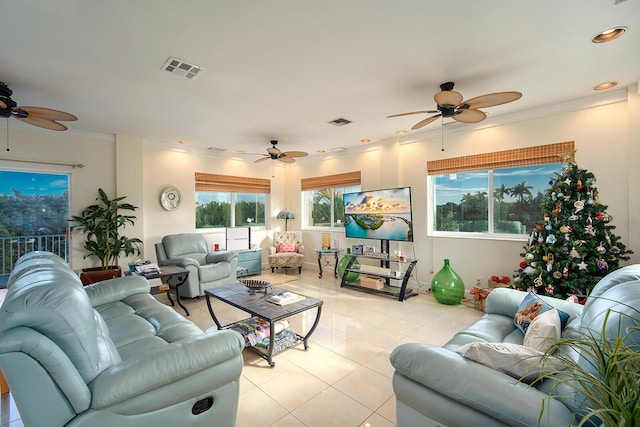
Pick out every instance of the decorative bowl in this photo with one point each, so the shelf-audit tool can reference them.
(256, 285)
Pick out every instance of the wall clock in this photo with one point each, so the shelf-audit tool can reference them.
(170, 198)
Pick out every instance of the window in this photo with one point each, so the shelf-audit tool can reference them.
(495, 194)
(34, 213)
(322, 199)
(227, 201)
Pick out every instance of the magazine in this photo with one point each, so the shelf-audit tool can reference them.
(285, 298)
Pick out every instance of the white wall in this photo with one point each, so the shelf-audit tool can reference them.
(607, 139)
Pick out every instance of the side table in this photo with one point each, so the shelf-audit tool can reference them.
(326, 252)
(174, 277)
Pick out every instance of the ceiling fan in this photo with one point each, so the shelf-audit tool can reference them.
(274, 153)
(37, 116)
(450, 104)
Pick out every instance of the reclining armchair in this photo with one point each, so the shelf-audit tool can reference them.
(206, 269)
(110, 354)
(287, 250)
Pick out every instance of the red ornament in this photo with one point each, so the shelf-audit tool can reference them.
(523, 264)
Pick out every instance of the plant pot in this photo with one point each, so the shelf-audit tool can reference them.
(97, 274)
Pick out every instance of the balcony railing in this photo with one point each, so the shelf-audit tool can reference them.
(13, 247)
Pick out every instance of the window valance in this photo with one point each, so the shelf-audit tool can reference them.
(330, 181)
(233, 184)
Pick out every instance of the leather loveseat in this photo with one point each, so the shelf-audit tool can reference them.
(436, 386)
(110, 354)
(206, 269)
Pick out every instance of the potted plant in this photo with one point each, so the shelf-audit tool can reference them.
(605, 380)
(101, 224)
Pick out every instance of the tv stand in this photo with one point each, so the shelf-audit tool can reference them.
(401, 293)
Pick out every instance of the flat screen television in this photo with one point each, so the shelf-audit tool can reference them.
(379, 214)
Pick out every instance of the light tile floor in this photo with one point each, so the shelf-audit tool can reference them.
(344, 379)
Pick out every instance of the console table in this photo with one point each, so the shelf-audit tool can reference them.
(328, 252)
(249, 262)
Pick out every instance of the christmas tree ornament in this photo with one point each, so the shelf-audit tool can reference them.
(579, 184)
(551, 239)
(601, 249)
(528, 257)
(557, 275)
(574, 253)
(582, 265)
(601, 265)
(579, 205)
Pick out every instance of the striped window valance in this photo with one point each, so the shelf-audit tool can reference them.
(539, 155)
(330, 181)
(232, 184)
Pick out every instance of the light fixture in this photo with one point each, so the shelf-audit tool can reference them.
(183, 142)
(609, 35)
(605, 85)
(364, 141)
(286, 215)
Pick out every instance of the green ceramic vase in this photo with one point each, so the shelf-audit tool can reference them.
(352, 275)
(447, 286)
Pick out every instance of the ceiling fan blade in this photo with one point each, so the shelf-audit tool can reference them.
(448, 97)
(42, 122)
(413, 112)
(492, 99)
(285, 159)
(3, 105)
(425, 122)
(295, 153)
(470, 116)
(48, 113)
(261, 160)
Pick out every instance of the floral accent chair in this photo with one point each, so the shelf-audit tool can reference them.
(287, 250)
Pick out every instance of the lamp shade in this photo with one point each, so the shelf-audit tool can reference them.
(285, 214)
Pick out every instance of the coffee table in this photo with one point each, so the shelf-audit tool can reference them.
(238, 295)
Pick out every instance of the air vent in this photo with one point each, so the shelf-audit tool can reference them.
(181, 68)
(340, 122)
(216, 150)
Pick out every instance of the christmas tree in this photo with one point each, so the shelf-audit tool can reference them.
(574, 246)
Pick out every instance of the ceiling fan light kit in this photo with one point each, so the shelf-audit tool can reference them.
(449, 103)
(36, 116)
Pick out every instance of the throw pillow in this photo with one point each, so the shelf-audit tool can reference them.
(543, 330)
(520, 362)
(532, 306)
(287, 247)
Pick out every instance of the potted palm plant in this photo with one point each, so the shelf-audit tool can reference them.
(101, 223)
(604, 383)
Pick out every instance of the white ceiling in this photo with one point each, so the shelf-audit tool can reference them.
(283, 69)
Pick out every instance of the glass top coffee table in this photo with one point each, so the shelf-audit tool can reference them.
(256, 304)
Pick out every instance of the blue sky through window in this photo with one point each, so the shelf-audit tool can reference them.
(29, 183)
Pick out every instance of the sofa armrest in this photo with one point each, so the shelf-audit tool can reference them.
(301, 249)
(116, 289)
(220, 256)
(181, 262)
(152, 370)
(474, 385)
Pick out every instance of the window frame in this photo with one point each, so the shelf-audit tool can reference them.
(330, 182)
(490, 162)
(233, 186)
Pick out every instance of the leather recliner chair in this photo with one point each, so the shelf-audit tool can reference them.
(206, 269)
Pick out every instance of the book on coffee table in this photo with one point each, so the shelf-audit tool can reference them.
(285, 298)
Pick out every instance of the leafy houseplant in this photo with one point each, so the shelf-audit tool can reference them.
(101, 224)
(605, 381)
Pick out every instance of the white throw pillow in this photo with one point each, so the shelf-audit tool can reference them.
(517, 361)
(543, 330)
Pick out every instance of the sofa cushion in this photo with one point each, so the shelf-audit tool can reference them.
(211, 272)
(532, 306)
(517, 361)
(542, 332)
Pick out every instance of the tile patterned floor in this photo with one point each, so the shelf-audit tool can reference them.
(344, 379)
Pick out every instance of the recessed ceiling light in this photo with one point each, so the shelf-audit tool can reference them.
(242, 151)
(183, 142)
(605, 85)
(609, 35)
(320, 151)
(364, 141)
(401, 132)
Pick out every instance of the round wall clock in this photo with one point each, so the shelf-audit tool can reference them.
(170, 198)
